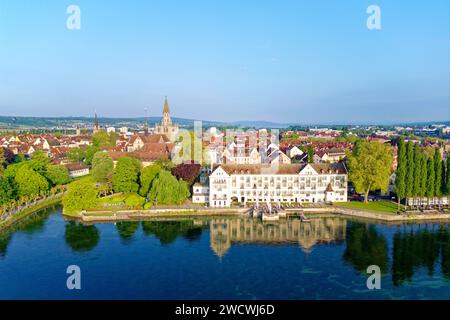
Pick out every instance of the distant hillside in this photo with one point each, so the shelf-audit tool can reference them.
(83, 122)
(23, 123)
(262, 124)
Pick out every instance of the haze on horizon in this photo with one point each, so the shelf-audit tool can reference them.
(290, 62)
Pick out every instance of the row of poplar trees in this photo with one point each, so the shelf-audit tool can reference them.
(420, 175)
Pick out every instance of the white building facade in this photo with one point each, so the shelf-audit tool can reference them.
(286, 183)
(200, 193)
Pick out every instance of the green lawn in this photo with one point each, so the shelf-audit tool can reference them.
(113, 200)
(385, 206)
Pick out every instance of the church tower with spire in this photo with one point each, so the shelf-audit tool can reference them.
(96, 124)
(146, 123)
(166, 119)
(166, 127)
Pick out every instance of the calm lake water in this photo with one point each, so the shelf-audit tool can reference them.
(225, 258)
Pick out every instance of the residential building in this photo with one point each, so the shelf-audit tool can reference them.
(200, 193)
(77, 169)
(294, 151)
(123, 130)
(331, 155)
(148, 154)
(277, 183)
(240, 154)
(138, 141)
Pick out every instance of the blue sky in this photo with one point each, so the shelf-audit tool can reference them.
(299, 61)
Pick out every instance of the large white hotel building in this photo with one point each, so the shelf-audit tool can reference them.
(281, 183)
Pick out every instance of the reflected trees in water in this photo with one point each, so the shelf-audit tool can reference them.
(4, 241)
(168, 231)
(127, 229)
(31, 224)
(81, 237)
(417, 248)
(365, 246)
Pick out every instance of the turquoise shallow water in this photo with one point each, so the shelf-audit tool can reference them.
(226, 258)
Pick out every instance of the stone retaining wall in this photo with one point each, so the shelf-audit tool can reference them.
(124, 215)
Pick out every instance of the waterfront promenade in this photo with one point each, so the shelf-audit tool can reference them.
(16, 214)
(177, 212)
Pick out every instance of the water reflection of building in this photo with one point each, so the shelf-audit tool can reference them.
(224, 232)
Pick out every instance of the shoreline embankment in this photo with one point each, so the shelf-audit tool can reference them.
(124, 215)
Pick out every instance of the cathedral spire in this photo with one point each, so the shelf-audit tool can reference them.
(166, 106)
(96, 125)
(166, 127)
(146, 122)
(167, 121)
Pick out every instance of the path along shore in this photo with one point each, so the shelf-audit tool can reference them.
(24, 211)
(124, 215)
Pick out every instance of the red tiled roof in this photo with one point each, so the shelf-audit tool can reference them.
(295, 168)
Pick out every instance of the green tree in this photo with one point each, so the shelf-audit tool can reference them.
(165, 164)
(102, 167)
(81, 195)
(8, 189)
(30, 182)
(183, 190)
(166, 189)
(148, 174)
(135, 201)
(90, 152)
(113, 136)
(2, 160)
(430, 179)
(417, 170)
(126, 175)
(409, 169)
(443, 178)
(423, 176)
(20, 157)
(76, 154)
(400, 178)
(438, 173)
(370, 167)
(447, 175)
(102, 139)
(310, 154)
(12, 169)
(57, 175)
(39, 162)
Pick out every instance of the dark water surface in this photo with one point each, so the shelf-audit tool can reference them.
(224, 258)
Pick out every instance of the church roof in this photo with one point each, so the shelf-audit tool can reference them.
(152, 138)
